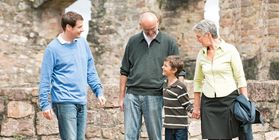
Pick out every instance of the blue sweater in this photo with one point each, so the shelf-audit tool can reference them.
(66, 70)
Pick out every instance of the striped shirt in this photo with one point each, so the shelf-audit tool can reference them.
(176, 105)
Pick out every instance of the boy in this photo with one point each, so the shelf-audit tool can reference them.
(176, 101)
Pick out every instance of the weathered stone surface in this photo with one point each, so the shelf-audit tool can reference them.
(103, 117)
(251, 31)
(111, 133)
(275, 123)
(45, 126)
(2, 104)
(194, 128)
(19, 109)
(25, 31)
(273, 135)
(21, 127)
(263, 91)
(258, 136)
(111, 93)
(93, 132)
(260, 127)
(51, 138)
(19, 138)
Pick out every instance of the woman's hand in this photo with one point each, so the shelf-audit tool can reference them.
(197, 105)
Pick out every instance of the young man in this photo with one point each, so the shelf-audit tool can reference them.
(67, 67)
(141, 80)
(176, 101)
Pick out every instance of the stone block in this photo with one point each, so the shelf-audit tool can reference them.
(275, 123)
(273, 7)
(103, 117)
(263, 90)
(111, 133)
(93, 131)
(273, 1)
(273, 135)
(18, 127)
(57, 137)
(258, 136)
(267, 109)
(111, 93)
(195, 127)
(260, 128)
(18, 94)
(273, 30)
(2, 104)
(45, 126)
(19, 109)
(19, 137)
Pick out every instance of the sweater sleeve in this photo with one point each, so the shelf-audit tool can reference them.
(45, 79)
(184, 100)
(93, 79)
(125, 65)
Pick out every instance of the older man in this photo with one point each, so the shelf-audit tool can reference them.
(141, 78)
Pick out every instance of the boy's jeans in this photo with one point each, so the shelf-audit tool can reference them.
(71, 120)
(176, 134)
(151, 108)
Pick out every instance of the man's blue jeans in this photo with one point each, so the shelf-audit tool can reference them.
(71, 120)
(150, 107)
(176, 134)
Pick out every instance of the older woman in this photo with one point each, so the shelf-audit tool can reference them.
(219, 79)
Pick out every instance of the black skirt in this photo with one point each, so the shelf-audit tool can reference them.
(217, 119)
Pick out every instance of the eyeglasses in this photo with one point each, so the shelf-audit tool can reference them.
(152, 30)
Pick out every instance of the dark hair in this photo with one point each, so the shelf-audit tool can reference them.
(176, 63)
(70, 18)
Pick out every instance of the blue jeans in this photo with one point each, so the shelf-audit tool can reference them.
(150, 107)
(176, 134)
(71, 120)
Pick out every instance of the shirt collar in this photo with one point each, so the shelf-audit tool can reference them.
(172, 85)
(63, 41)
(157, 38)
(148, 38)
(220, 46)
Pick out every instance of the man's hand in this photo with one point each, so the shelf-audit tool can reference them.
(48, 114)
(121, 103)
(102, 100)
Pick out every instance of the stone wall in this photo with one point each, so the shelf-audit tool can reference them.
(253, 27)
(114, 22)
(26, 27)
(21, 119)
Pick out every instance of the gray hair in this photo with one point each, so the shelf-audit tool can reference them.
(206, 26)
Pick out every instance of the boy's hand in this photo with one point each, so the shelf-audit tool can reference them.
(196, 113)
